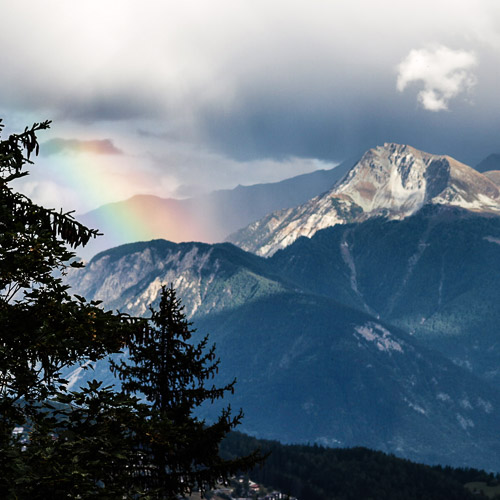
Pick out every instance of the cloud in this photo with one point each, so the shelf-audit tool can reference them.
(50, 194)
(84, 174)
(445, 74)
(185, 171)
(247, 80)
(97, 146)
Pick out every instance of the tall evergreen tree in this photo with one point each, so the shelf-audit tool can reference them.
(171, 372)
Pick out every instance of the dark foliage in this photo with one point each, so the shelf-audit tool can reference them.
(44, 443)
(179, 451)
(317, 473)
(93, 442)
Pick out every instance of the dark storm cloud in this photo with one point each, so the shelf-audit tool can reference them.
(256, 80)
(348, 128)
(103, 105)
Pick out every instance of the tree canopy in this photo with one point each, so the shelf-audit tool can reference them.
(142, 441)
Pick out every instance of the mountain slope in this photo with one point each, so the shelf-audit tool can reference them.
(308, 368)
(208, 277)
(491, 162)
(435, 274)
(493, 176)
(311, 371)
(393, 180)
(208, 218)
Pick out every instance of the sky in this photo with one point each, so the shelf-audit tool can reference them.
(180, 98)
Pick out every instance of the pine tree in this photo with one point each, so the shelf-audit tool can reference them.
(181, 452)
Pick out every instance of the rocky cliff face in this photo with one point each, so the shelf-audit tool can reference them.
(398, 180)
(209, 278)
(391, 180)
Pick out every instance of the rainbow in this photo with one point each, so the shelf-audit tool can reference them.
(97, 178)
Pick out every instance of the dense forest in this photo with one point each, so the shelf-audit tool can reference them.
(318, 473)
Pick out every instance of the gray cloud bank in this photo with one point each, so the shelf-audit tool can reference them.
(260, 79)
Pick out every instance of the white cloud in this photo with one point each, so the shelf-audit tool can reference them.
(444, 73)
(118, 60)
(199, 171)
(49, 194)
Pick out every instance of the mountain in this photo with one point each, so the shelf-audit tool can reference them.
(491, 162)
(309, 369)
(209, 218)
(209, 278)
(434, 274)
(391, 180)
(380, 328)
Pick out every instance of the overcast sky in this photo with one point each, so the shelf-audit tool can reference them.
(179, 97)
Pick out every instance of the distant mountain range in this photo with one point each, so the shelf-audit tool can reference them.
(209, 218)
(491, 162)
(381, 330)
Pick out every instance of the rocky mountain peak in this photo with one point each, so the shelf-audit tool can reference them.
(387, 177)
(399, 179)
(393, 180)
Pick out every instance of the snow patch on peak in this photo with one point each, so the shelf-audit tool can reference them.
(415, 407)
(442, 396)
(486, 406)
(380, 336)
(465, 403)
(391, 177)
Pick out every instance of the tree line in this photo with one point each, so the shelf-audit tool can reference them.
(319, 473)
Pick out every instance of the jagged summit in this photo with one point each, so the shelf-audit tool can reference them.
(401, 179)
(392, 180)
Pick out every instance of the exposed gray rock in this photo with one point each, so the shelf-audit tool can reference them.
(391, 180)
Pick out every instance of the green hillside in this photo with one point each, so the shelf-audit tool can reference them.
(308, 332)
(434, 274)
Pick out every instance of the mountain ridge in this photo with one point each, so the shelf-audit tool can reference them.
(391, 180)
(380, 330)
(491, 162)
(310, 369)
(209, 218)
